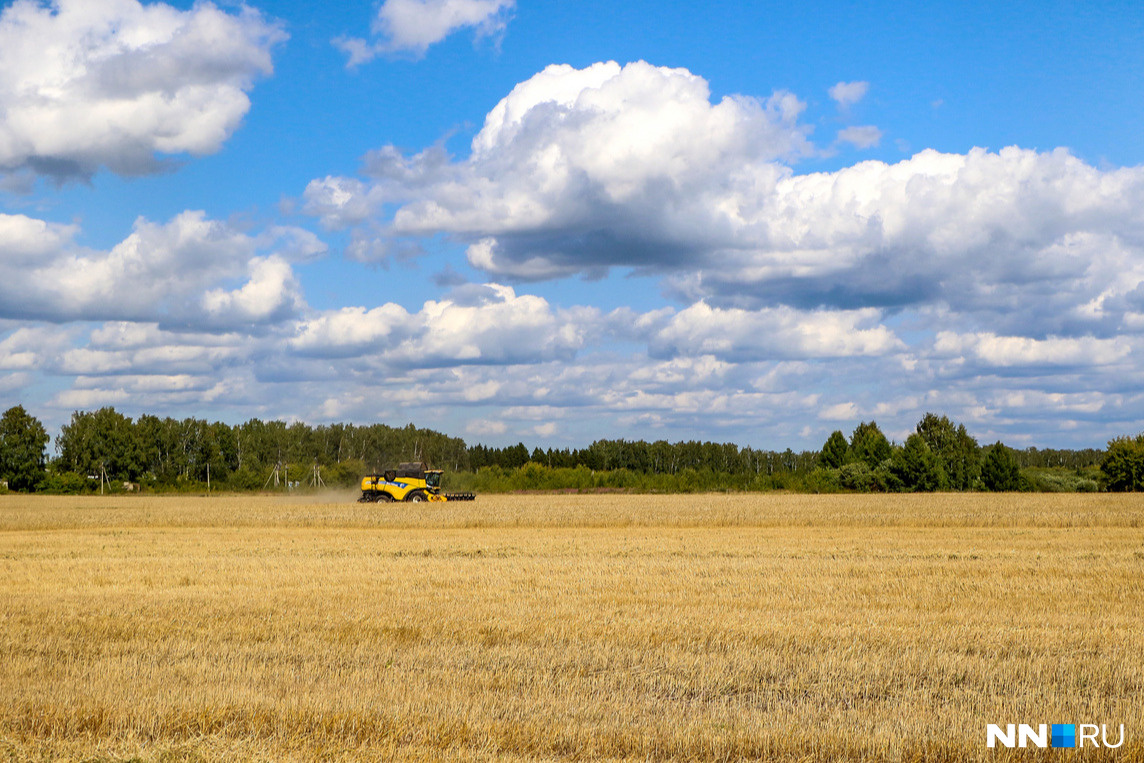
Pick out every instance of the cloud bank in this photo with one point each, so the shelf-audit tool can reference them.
(578, 171)
(189, 271)
(1003, 287)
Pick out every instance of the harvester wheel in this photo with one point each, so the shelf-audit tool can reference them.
(416, 497)
(384, 498)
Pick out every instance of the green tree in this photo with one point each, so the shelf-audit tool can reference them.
(958, 452)
(104, 440)
(1123, 465)
(515, 456)
(868, 444)
(833, 453)
(918, 467)
(22, 441)
(857, 476)
(999, 470)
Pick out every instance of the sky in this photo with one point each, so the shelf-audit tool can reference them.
(557, 222)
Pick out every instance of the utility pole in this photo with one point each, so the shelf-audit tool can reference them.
(273, 476)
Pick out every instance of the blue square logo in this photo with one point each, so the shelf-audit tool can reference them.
(1064, 735)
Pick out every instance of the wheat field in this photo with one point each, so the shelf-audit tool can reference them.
(566, 627)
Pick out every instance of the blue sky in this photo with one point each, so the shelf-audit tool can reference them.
(562, 221)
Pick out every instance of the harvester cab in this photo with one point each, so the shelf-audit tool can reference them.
(410, 482)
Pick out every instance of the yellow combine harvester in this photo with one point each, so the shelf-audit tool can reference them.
(410, 482)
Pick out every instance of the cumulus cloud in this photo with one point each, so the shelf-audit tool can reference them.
(577, 171)
(128, 335)
(1015, 240)
(157, 393)
(485, 427)
(118, 362)
(352, 330)
(839, 412)
(142, 368)
(476, 325)
(271, 294)
(25, 241)
(684, 371)
(178, 272)
(1019, 351)
(13, 383)
(580, 169)
(866, 136)
(177, 355)
(111, 83)
(846, 94)
(414, 25)
(774, 333)
(340, 202)
(81, 399)
(1002, 287)
(575, 400)
(494, 364)
(28, 347)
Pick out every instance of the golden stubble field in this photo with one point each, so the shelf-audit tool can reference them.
(772, 627)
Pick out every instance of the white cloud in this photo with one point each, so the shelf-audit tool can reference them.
(710, 389)
(897, 288)
(174, 272)
(480, 325)
(485, 427)
(352, 330)
(112, 83)
(866, 136)
(178, 356)
(340, 201)
(27, 347)
(774, 333)
(417, 24)
(127, 335)
(1031, 401)
(16, 382)
(486, 390)
(272, 294)
(684, 371)
(87, 399)
(981, 285)
(414, 25)
(1018, 351)
(846, 94)
(25, 241)
(146, 384)
(839, 412)
(1017, 239)
(577, 171)
(580, 169)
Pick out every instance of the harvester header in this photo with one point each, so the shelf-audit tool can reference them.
(410, 482)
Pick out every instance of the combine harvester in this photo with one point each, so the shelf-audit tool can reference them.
(410, 482)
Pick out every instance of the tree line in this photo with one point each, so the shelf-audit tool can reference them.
(640, 456)
(941, 455)
(938, 455)
(105, 447)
